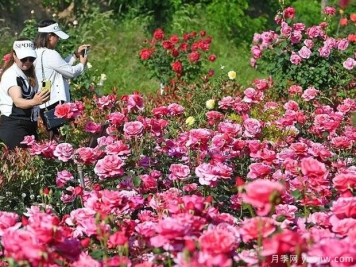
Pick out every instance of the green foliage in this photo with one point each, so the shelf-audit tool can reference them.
(324, 72)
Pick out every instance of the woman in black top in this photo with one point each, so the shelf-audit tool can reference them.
(19, 95)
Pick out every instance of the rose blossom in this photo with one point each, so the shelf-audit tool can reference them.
(208, 174)
(310, 94)
(179, 172)
(261, 194)
(304, 52)
(252, 127)
(349, 63)
(295, 59)
(109, 166)
(63, 177)
(133, 129)
(256, 52)
(64, 152)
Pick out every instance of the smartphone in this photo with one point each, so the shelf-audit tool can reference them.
(85, 52)
(46, 86)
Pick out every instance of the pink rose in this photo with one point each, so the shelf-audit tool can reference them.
(7, 57)
(64, 152)
(252, 127)
(349, 63)
(261, 194)
(209, 174)
(296, 36)
(286, 29)
(310, 94)
(63, 177)
(324, 51)
(256, 51)
(295, 59)
(8, 220)
(92, 127)
(133, 129)
(304, 52)
(179, 171)
(109, 166)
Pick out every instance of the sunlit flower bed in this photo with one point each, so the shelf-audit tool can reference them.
(162, 193)
(246, 179)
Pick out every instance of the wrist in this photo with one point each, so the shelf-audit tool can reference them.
(76, 54)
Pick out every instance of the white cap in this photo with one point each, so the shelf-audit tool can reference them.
(24, 49)
(55, 29)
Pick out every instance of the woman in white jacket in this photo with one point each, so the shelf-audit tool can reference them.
(50, 66)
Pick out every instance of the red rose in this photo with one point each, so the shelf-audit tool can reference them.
(167, 45)
(61, 111)
(344, 3)
(183, 47)
(97, 187)
(78, 191)
(202, 33)
(174, 39)
(186, 36)
(158, 34)
(211, 73)
(85, 242)
(46, 191)
(175, 52)
(146, 53)
(177, 66)
(194, 56)
(212, 58)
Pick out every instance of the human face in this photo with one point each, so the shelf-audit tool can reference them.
(24, 63)
(52, 40)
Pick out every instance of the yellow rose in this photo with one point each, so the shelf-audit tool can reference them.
(103, 77)
(210, 104)
(190, 120)
(231, 74)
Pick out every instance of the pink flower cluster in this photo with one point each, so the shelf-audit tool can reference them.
(221, 194)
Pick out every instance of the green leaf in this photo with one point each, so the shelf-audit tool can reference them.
(297, 194)
(136, 181)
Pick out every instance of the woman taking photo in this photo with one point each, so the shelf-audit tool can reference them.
(19, 96)
(51, 67)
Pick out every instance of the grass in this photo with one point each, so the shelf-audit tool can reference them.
(115, 50)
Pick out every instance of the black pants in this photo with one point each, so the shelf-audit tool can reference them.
(13, 131)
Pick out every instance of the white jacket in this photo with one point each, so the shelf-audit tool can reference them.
(58, 71)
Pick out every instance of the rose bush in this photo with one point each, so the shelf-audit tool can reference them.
(310, 57)
(250, 180)
(177, 57)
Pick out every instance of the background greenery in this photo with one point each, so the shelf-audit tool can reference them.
(116, 29)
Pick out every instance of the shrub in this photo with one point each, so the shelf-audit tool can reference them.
(305, 56)
(177, 57)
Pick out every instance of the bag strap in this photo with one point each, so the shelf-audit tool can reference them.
(43, 76)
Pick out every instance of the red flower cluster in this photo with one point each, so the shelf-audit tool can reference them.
(177, 57)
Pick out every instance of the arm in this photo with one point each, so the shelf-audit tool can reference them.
(16, 96)
(56, 62)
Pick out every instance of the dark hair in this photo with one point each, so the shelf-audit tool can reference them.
(41, 39)
(11, 61)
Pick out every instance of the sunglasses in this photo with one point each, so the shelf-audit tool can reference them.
(31, 59)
